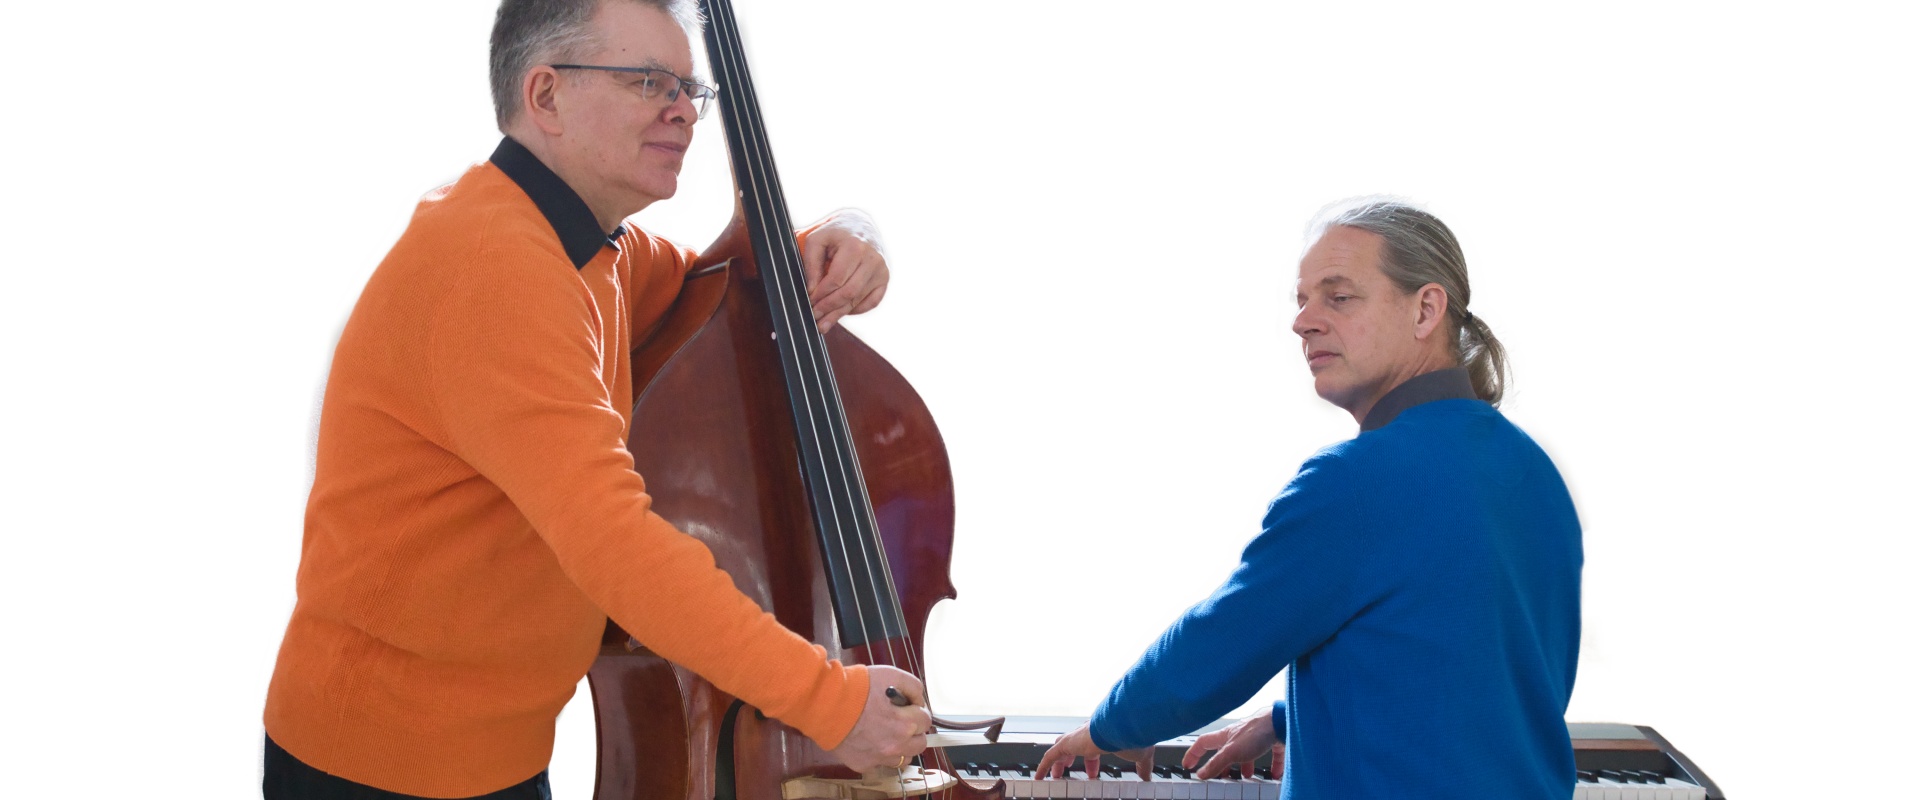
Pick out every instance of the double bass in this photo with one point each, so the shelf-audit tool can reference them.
(806, 464)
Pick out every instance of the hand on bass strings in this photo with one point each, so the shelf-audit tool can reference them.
(1059, 757)
(887, 734)
(846, 272)
(1240, 743)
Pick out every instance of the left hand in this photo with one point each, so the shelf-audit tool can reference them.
(846, 272)
(1059, 757)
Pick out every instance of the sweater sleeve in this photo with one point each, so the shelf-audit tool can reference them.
(515, 377)
(1297, 583)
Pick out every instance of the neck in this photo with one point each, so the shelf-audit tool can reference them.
(1426, 363)
(609, 212)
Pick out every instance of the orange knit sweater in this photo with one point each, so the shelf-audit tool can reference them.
(475, 516)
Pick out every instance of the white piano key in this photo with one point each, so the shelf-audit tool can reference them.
(1686, 790)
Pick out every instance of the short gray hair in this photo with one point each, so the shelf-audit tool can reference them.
(1419, 249)
(527, 33)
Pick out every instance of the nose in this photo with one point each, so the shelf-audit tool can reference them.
(1308, 321)
(681, 110)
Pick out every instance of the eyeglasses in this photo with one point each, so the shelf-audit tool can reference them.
(660, 80)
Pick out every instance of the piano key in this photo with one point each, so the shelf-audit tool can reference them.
(1077, 785)
(1686, 790)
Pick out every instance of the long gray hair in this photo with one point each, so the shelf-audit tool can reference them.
(1420, 250)
(527, 33)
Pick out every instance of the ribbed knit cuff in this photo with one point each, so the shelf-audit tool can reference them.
(838, 699)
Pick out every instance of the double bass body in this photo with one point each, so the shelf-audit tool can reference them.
(714, 437)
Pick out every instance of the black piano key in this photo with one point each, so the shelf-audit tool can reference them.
(1613, 775)
(1586, 776)
(1233, 772)
(1111, 770)
(1162, 771)
(1264, 772)
(1025, 770)
(993, 769)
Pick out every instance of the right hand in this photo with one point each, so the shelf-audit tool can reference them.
(886, 733)
(1240, 744)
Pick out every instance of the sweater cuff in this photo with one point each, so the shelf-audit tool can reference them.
(1093, 731)
(838, 699)
(1280, 720)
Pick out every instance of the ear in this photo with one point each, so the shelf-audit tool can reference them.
(540, 99)
(1430, 309)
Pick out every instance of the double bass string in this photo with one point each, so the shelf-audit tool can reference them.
(814, 384)
(797, 309)
(822, 399)
(821, 372)
(730, 71)
(850, 474)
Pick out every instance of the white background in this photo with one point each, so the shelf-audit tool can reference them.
(1692, 224)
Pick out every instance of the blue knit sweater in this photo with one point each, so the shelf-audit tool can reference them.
(1423, 582)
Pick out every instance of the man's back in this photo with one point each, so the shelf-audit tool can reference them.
(1453, 672)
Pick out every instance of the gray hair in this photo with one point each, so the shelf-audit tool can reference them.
(528, 33)
(1419, 249)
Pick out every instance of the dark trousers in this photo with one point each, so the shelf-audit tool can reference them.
(289, 778)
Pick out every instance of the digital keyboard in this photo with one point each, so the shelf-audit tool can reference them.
(1615, 762)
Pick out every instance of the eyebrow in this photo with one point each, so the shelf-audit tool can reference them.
(1300, 294)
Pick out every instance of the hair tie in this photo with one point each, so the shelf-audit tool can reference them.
(1467, 314)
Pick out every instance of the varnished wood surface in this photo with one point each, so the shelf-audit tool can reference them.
(713, 437)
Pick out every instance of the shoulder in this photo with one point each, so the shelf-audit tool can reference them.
(474, 249)
(478, 243)
(1433, 429)
(481, 223)
(1447, 448)
(1422, 451)
(651, 252)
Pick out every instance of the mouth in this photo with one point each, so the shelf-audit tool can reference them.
(1320, 358)
(675, 148)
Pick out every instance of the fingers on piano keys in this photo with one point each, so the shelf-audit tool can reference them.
(1120, 783)
(1174, 783)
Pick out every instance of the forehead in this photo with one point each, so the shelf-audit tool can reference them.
(637, 35)
(1343, 252)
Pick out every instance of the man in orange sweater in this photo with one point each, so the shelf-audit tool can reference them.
(475, 517)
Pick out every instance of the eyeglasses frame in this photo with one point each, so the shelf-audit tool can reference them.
(700, 109)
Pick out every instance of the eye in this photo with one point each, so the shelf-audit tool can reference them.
(1341, 298)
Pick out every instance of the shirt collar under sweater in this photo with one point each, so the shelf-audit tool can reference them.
(569, 215)
(1441, 384)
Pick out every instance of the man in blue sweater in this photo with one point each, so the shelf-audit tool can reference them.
(1422, 580)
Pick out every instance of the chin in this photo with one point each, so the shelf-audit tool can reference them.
(1333, 391)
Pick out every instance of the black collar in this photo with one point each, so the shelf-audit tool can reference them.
(569, 215)
(1440, 384)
